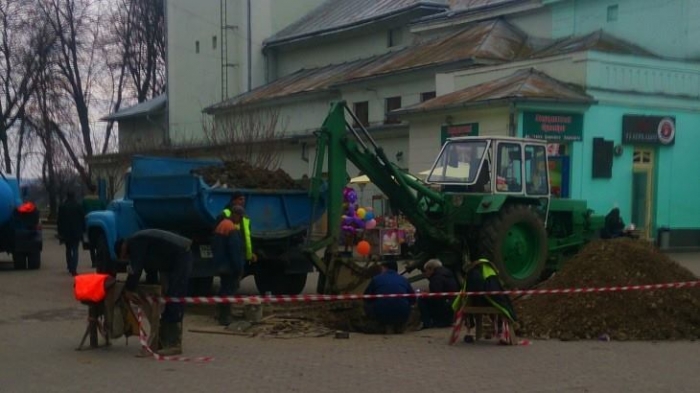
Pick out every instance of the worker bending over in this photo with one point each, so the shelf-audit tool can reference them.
(168, 254)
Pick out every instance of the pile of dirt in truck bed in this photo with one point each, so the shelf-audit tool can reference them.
(665, 314)
(240, 174)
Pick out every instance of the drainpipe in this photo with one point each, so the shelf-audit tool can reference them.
(250, 48)
(512, 123)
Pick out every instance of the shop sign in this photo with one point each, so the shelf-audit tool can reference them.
(455, 130)
(553, 127)
(655, 130)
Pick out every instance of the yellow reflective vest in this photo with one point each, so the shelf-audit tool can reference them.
(246, 234)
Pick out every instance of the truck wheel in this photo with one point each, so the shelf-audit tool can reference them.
(516, 242)
(34, 261)
(294, 284)
(200, 286)
(102, 259)
(280, 284)
(19, 259)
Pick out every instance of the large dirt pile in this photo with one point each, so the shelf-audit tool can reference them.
(635, 315)
(240, 174)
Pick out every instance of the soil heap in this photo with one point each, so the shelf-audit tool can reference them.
(635, 315)
(240, 174)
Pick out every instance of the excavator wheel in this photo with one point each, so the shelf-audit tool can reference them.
(515, 240)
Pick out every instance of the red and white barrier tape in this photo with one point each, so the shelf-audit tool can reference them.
(317, 298)
(143, 339)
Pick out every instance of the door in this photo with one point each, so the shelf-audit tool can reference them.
(642, 191)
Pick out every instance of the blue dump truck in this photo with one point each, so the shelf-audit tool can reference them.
(164, 193)
(20, 227)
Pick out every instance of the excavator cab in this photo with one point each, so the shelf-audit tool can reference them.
(512, 166)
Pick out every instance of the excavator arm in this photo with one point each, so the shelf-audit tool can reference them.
(343, 143)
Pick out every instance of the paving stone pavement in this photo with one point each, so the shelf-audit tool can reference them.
(41, 324)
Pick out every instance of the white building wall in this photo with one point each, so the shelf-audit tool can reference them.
(425, 132)
(195, 79)
(668, 28)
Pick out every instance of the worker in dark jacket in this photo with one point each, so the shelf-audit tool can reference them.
(168, 254)
(391, 313)
(229, 256)
(70, 225)
(614, 225)
(437, 312)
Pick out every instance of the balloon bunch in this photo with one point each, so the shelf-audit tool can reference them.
(351, 221)
(367, 215)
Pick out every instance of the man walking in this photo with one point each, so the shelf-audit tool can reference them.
(71, 224)
(169, 254)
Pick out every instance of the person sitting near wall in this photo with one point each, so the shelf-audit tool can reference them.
(615, 226)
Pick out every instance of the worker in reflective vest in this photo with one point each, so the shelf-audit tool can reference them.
(238, 199)
(482, 276)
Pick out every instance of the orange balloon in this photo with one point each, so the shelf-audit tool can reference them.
(363, 248)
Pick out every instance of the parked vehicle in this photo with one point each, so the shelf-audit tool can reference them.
(484, 197)
(163, 193)
(20, 227)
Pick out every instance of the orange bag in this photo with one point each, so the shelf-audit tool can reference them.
(90, 287)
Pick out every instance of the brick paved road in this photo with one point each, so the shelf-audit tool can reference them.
(40, 324)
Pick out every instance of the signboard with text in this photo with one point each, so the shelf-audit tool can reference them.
(553, 127)
(655, 130)
(455, 130)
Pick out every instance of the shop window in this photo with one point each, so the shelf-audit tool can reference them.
(602, 158)
(536, 181)
(213, 42)
(509, 170)
(196, 47)
(361, 110)
(391, 104)
(428, 95)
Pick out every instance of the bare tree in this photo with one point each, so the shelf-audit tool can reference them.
(251, 135)
(22, 45)
(137, 37)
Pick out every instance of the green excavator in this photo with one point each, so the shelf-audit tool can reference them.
(485, 197)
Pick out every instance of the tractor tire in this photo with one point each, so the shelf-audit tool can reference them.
(34, 261)
(19, 259)
(515, 241)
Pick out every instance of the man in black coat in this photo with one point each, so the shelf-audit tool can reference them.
(169, 254)
(437, 312)
(71, 224)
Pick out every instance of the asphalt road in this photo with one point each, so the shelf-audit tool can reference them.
(41, 324)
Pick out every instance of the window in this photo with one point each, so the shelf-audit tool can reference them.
(428, 95)
(361, 110)
(612, 13)
(536, 182)
(394, 37)
(391, 104)
(509, 170)
(196, 47)
(213, 42)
